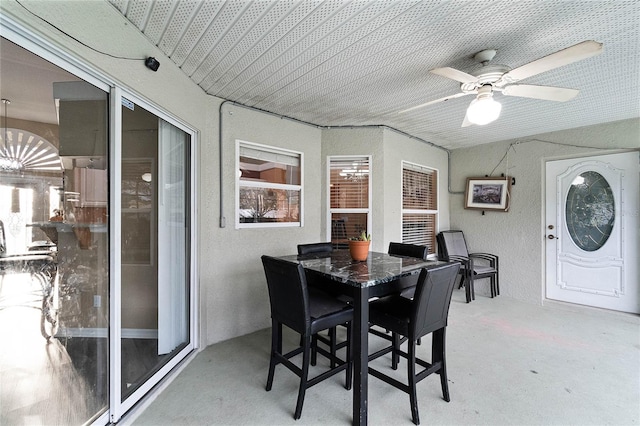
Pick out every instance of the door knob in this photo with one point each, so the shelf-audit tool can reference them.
(552, 237)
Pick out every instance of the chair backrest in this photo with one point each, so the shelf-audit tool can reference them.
(315, 248)
(410, 250)
(288, 294)
(451, 243)
(431, 300)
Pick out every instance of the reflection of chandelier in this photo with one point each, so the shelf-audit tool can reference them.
(356, 173)
(21, 150)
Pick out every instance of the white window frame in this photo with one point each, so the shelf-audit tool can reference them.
(420, 212)
(367, 210)
(243, 183)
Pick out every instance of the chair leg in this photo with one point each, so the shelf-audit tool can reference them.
(467, 289)
(349, 360)
(276, 346)
(332, 345)
(395, 358)
(438, 354)
(411, 376)
(493, 286)
(306, 355)
(473, 286)
(314, 348)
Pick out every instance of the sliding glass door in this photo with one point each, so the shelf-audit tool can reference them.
(155, 222)
(96, 241)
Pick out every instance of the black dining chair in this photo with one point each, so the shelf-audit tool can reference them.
(426, 314)
(314, 248)
(452, 247)
(306, 311)
(408, 284)
(331, 339)
(408, 250)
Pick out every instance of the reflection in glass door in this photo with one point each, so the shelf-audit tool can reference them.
(54, 245)
(87, 327)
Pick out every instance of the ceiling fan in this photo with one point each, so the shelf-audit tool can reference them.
(501, 78)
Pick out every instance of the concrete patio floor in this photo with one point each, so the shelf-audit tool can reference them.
(509, 363)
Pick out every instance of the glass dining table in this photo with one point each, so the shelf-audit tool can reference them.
(377, 276)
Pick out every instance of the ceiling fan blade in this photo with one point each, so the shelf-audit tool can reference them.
(575, 53)
(446, 98)
(454, 74)
(547, 93)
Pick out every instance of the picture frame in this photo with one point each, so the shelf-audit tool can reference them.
(488, 193)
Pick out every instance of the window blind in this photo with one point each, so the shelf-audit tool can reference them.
(349, 183)
(349, 180)
(270, 155)
(419, 205)
(419, 189)
(419, 229)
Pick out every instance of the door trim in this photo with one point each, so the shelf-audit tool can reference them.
(628, 248)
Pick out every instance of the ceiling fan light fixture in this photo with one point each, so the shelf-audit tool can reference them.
(484, 109)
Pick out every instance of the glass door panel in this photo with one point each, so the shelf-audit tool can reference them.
(65, 356)
(54, 239)
(155, 245)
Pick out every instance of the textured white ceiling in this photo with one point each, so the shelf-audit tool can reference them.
(343, 63)
(340, 62)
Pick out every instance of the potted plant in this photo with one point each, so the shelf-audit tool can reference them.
(359, 246)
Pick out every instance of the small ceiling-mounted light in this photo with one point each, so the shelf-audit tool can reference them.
(484, 109)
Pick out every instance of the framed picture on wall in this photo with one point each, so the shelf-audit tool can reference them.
(488, 193)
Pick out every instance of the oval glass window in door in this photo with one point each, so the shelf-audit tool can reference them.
(590, 211)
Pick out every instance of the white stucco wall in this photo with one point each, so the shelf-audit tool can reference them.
(517, 236)
(233, 287)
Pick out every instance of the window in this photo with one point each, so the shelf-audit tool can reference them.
(349, 198)
(419, 205)
(269, 186)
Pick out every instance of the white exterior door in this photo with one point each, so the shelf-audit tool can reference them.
(592, 231)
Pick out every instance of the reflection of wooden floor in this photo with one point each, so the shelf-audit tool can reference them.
(38, 383)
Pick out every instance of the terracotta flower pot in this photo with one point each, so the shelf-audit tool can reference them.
(359, 250)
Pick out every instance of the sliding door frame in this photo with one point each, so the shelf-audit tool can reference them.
(14, 32)
(120, 406)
